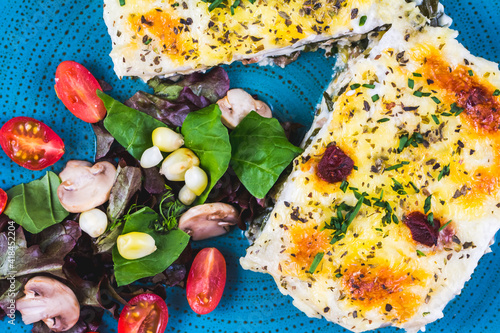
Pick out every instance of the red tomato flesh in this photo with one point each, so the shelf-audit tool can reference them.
(30, 143)
(206, 281)
(3, 200)
(76, 87)
(145, 313)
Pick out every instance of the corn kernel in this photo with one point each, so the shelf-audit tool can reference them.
(135, 245)
(151, 157)
(166, 139)
(196, 180)
(186, 196)
(94, 222)
(176, 164)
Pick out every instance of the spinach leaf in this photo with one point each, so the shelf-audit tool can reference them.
(261, 152)
(208, 138)
(35, 205)
(169, 248)
(131, 128)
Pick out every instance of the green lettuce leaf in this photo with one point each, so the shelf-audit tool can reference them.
(131, 128)
(260, 153)
(35, 205)
(169, 247)
(205, 134)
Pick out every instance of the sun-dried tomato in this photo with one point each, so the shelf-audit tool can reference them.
(335, 165)
(421, 230)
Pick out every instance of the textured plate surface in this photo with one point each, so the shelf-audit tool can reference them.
(40, 34)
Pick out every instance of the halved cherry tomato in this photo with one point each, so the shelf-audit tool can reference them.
(206, 281)
(76, 87)
(145, 313)
(3, 200)
(30, 143)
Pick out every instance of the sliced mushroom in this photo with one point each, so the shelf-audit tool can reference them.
(85, 186)
(208, 220)
(237, 104)
(50, 301)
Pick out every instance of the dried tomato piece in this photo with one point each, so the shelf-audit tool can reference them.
(421, 230)
(335, 165)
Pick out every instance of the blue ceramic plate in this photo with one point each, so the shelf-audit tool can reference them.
(38, 35)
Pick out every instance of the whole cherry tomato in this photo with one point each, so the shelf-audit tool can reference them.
(76, 87)
(30, 143)
(206, 281)
(145, 313)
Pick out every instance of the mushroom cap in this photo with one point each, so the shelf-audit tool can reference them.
(51, 301)
(237, 104)
(208, 220)
(85, 186)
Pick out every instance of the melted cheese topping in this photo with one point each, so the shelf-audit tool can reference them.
(419, 120)
(158, 37)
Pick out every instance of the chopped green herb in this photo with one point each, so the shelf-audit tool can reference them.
(496, 93)
(398, 187)
(444, 172)
(456, 110)
(471, 73)
(355, 168)
(406, 141)
(430, 219)
(414, 187)
(344, 185)
(214, 4)
(446, 114)
(383, 120)
(417, 75)
(375, 98)
(369, 86)
(411, 83)
(418, 93)
(355, 86)
(435, 118)
(444, 226)
(122, 2)
(420, 254)
(362, 20)
(338, 275)
(397, 166)
(436, 100)
(378, 229)
(148, 41)
(341, 222)
(316, 261)
(427, 204)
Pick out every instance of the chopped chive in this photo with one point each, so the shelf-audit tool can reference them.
(496, 93)
(232, 10)
(444, 172)
(420, 254)
(414, 187)
(362, 20)
(344, 185)
(352, 188)
(397, 166)
(427, 94)
(417, 93)
(425, 314)
(398, 187)
(446, 114)
(122, 2)
(355, 168)
(430, 219)
(471, 73)
(355, 86)
(444, 226)
(417, 75)
(214, 5)
(375, 98)
(147, 41)
(436, 100)
(427, 204)
(378, 229)
(383, 120)
(411, 83)
(338, 275)
(405, 162)
(435, 118)
(369, 86)
(316, 261)
(456, 110)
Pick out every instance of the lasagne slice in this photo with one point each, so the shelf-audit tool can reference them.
(397, 194)
(168, 37)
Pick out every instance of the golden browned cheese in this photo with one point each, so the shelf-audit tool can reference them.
(155, 37)
(419, 119)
